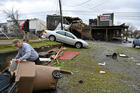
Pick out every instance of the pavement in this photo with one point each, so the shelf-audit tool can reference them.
(4, 42)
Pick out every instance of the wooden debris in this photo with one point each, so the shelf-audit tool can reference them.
(57, 55)
(66, 72)
(52, 63)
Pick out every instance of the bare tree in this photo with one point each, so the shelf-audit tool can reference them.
(131, 29)
(13, 16)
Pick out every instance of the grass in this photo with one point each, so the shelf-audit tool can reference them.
(135, 49)
(85, 68)
(125, 49)
(9, 47)
(43, 43)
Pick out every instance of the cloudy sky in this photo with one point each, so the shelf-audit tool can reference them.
(125, 11)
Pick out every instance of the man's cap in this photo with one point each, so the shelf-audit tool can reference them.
(15, 42)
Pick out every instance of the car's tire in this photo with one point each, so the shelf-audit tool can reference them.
(133, 45)
(78, 45)
(52, 38)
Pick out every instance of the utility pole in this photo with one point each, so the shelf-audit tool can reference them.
(61, 14)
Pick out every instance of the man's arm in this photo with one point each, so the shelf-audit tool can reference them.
(18, 54)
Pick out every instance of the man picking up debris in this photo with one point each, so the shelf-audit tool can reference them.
(26, 52)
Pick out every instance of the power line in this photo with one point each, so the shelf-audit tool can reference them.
(123, 14)
(98, 5)
(83, 3)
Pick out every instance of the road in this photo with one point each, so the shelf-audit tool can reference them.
(3, 42)
(124, 66)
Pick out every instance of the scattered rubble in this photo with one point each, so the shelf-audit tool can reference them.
(113, 56)
(80, 81)
(102, 64)
(123, 55)
(102, 72)
(138, 64)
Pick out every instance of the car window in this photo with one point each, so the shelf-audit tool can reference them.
(69, 35)
(138, 37)
(61, 33)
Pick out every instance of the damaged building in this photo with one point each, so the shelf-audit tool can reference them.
(102, 28)
(77, 27)
(53, 20)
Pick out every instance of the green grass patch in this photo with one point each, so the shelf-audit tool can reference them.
(8, 47)
(134, 49)
(125, 49)
(85, 68)
(43, 43)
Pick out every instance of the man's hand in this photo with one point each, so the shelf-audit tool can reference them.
(18, 60)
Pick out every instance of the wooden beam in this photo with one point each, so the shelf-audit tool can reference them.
(106, 37)
(91, 37)
(127, 35)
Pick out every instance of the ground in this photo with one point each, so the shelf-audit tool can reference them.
(121, 75)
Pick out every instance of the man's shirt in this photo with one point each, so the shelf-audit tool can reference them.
(26, 52)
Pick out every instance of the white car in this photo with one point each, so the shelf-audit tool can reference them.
(64, 37)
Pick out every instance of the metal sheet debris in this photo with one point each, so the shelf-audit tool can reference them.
(68, 55)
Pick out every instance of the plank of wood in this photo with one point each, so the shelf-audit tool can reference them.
(57, 53)
(66, 72)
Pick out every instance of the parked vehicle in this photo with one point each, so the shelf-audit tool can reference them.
(136, 42)
(64, 37)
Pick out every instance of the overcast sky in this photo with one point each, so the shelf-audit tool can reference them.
(125, 11)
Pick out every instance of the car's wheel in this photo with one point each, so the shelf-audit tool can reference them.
(78, 45)
(52, 38)
(133, 45)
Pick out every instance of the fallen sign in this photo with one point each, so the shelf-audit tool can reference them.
(68, 55)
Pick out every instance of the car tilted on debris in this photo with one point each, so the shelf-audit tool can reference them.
(64, 37)
(136, 42)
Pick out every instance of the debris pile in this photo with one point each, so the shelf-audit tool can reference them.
(27, 77)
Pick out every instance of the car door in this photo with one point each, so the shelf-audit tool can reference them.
(69, 39)
(60, 36)
(139, 41)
